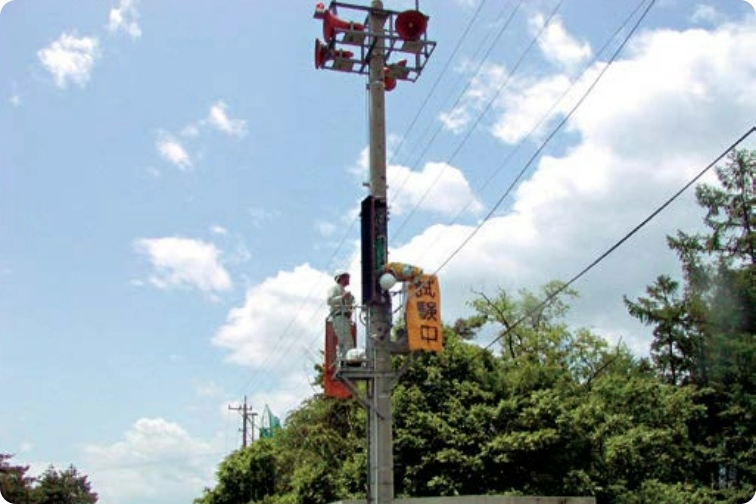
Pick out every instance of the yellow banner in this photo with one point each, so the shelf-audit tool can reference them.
(424, 315)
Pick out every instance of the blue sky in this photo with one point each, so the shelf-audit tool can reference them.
(178, 182)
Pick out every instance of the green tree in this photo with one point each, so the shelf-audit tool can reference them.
(674, 348)
(317, 456)
(443, 415)
(15, 485)
(574, 416)
(708, 332)
(67, 486)
(247, 475)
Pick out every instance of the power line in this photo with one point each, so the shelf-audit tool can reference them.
(482, 61)
(441, 75)
(532, 43)
(551, 135)
(546, 141)
(482, 113)
(622, 240)
(546, 115)
(614, 247)
(483, 48)
(276, 360)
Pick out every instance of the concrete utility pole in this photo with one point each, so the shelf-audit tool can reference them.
(380, 420)
(354, 47)
(248, 419)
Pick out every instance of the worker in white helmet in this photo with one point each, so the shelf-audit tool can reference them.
(341, 304)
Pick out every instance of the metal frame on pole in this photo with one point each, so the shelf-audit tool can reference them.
(366, 51)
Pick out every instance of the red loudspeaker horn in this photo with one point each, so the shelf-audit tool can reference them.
(411, 25)
(390, 72)
(388, 81)
(323, 54)
(331, 22)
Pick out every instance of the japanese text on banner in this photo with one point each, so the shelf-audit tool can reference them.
(424, 315)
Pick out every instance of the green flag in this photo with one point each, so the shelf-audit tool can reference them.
(270, 423)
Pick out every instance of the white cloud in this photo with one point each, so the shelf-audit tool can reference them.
(219, 119)
(70, 59)
(219, 230)
(183, 262)
(707, 14)
(524, 99)
(557, 45)
(124, 18)
(659, 115)
(290, 390)
(278, 331)
(157, 461)
(240, 254)
(276, 317)
(483, 87)
(191, 130)
(173, 151)
(673, 94)
(15, 100)
(446, 187)
(524, 106)
(519, 94)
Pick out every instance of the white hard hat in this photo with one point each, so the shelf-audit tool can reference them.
(339, 273)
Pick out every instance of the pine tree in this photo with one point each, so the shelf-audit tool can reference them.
(709, 330)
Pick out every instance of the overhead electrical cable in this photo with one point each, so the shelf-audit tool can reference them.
(463, 81)
(438, 80)
(545, 117)
(551, 135)
(477, 71)
(480, 116)
(622, 240)
(279, 356)
(614, 247)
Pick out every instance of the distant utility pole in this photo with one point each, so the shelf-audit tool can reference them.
(248, 419)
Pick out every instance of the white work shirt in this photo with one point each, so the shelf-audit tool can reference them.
(336, 300)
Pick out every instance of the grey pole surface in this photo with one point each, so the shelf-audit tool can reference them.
(380, 443)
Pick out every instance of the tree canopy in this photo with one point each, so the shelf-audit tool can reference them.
(555, 410)
(54, 486)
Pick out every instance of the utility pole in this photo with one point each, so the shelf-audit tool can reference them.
(248, 419)
(364, 48)
(380, 416)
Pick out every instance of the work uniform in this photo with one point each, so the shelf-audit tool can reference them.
(341, 317)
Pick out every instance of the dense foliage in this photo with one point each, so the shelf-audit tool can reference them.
(556, 410)
(53, 487)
